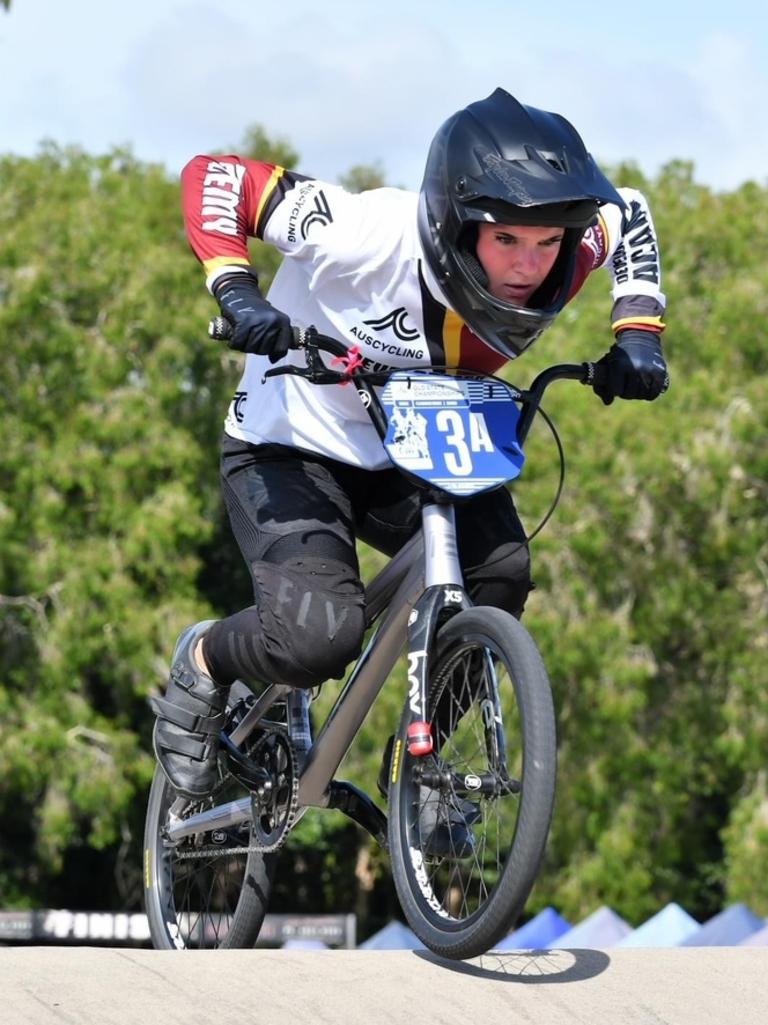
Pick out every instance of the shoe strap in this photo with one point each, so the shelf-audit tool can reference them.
(189, 721)
(185, 744)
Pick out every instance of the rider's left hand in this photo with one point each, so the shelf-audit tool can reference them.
(633, 368)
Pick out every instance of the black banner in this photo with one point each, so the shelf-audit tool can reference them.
(113, 929)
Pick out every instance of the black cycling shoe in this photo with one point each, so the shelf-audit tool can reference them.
(189, 720)
(444, 822)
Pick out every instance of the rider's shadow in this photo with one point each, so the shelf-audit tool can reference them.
(528, 966)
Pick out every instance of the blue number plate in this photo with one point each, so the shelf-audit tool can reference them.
(456, 433)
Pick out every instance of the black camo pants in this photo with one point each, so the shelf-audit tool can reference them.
(295, 517)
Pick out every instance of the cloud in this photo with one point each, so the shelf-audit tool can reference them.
(350, 83)
(732, 81)
(200, 82)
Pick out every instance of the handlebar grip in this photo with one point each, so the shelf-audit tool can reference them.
(220, 329)
(594, 374)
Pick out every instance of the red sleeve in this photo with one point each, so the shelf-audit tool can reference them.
(225, 199)
(591, 254)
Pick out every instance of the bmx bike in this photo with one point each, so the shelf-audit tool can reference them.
(476, 741)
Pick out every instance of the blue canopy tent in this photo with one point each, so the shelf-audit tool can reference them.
(668, 928)
(538, 934)
(394, 936)
(727, 929)
(603, 928)
(756, 939)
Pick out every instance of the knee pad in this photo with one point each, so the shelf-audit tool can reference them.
(306, 625)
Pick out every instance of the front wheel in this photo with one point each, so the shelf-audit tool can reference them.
(468, 823)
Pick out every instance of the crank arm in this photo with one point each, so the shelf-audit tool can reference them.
(248, 772)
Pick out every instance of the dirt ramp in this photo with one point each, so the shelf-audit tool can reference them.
(116, 986)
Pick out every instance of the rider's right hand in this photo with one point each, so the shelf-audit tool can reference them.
(257, 327)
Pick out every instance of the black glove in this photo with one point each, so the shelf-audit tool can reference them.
(257, 326)
(633, 368)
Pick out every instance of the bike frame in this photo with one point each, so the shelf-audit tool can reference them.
(427, 566)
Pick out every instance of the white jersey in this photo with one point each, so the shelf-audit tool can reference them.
(356, 278)
(353, 268)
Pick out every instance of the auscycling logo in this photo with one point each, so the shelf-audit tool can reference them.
(318, 213)
(238, 402)
(395, 320)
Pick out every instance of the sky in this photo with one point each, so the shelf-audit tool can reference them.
(349, 83)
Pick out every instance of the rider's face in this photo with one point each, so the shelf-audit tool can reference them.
(517, 258)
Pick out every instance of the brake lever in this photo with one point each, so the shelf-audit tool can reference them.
(316, 375)
(316, 371)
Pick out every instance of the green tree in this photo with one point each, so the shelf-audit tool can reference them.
(651, 604)
(257, 145)
(112, 402)
(362, 177)
(650, 607)
(112, 533)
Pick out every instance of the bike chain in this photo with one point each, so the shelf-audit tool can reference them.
(260, 848)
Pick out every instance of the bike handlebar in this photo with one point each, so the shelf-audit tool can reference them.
(312, 342)
(220, 329)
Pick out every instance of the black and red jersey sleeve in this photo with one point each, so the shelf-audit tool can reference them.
(591, 254)
(226, 199)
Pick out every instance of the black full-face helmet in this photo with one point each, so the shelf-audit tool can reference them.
(503, 162)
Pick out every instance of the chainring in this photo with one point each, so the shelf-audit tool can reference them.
(274, 804)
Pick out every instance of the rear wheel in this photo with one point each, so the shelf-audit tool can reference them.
(468, 824)
(208, 890)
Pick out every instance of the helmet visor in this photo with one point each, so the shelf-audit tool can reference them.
(577, 213)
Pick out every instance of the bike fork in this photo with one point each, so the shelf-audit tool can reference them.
(444, 594)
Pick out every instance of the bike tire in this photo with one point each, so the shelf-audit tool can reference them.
(216, 901)
(460, 904)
